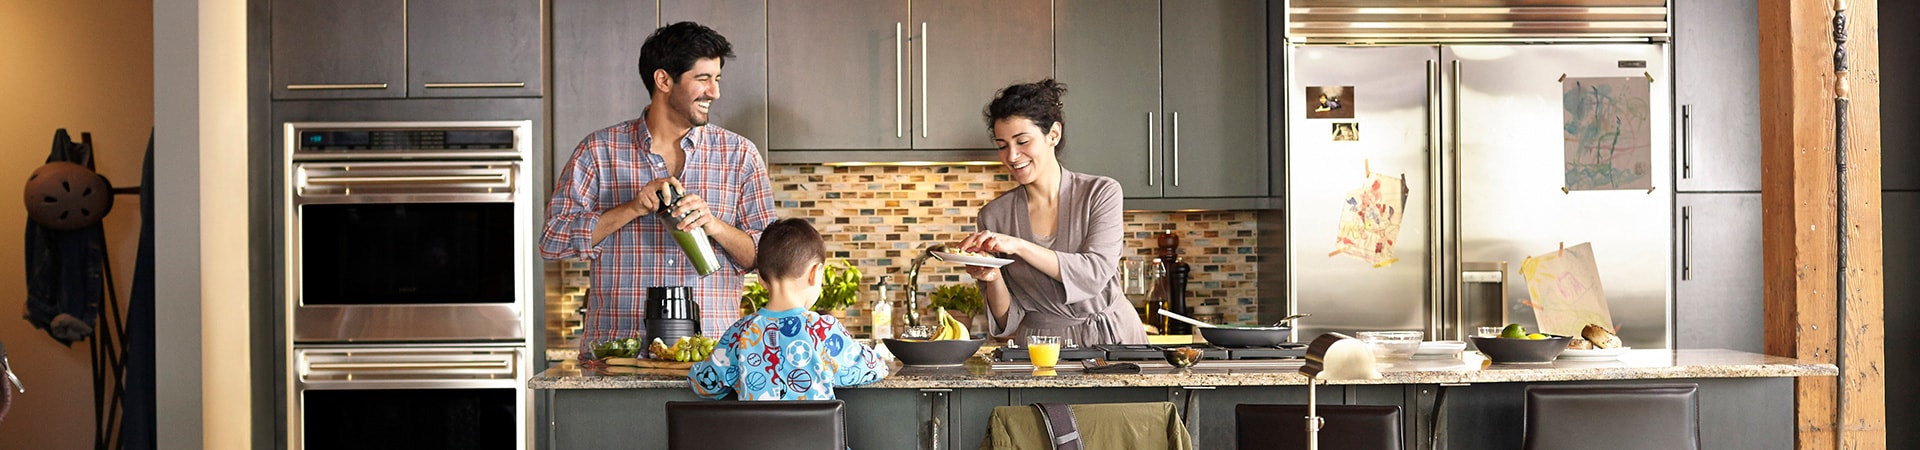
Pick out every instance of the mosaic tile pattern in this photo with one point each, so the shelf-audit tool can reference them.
(879, 217)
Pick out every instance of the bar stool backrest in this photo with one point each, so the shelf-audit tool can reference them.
(764, 425)
(1348, 427)
(1662, 416)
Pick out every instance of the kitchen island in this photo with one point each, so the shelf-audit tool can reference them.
(1746, 399)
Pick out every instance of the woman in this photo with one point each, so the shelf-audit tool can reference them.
(1062, 229)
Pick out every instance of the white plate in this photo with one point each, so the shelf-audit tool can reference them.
(983, 261)
(1598, 353)
(1439, 349)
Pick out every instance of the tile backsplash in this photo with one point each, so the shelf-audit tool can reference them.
(879, 217)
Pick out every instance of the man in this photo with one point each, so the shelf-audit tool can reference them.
(605, 207)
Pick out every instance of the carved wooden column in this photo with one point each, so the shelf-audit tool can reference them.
(1820, 90)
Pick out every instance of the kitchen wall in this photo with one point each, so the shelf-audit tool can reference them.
(84, 65)
(879, 217)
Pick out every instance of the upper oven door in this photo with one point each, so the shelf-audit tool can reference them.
(409, 251)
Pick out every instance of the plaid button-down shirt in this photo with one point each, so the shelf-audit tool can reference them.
(608, 169)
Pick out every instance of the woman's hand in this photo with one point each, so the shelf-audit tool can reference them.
(994, 243)
(986, 274)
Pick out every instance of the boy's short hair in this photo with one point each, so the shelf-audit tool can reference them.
(787, 247)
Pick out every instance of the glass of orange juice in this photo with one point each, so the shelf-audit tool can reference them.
(1044, 351)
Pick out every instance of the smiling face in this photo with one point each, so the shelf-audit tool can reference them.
(1025, 148)
(691, 97)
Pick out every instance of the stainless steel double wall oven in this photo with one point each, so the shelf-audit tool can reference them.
(408, 297)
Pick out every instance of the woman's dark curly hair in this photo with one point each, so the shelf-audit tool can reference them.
(1038, 101)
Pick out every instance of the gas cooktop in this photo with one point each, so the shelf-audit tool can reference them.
(1145, 352)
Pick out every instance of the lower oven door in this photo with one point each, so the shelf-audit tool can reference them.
(413, 397)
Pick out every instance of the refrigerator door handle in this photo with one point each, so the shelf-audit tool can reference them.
(1436, 302)
(1686, 141)
(1686, 243)
(1453, 178)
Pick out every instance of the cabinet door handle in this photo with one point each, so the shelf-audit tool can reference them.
(924, 93)
(1686, 243)
(1686, 141)
(1151, 171)
(1175, 117)
(899, 84)
(509, 85)
(335, 86)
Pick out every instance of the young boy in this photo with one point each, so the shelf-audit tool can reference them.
(784, 351)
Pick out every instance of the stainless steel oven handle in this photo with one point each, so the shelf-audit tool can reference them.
(489, 178)
(360, 366)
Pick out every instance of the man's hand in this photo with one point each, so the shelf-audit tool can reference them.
(692, 211)
(647, 201)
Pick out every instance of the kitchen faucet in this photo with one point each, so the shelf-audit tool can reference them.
(913, 281)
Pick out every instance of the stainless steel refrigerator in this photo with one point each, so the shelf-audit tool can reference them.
(1476, 133)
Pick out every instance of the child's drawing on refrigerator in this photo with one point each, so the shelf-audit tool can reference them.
(1370, 220)
(1608, 133)
(1565, 286)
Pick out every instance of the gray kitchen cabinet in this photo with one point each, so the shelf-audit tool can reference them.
(1899, 59)
(473, 48)
(1719, 290)
(596, 52)
(596, 80)
(1181, 113)
(402, 48)
(339, 49)
(1717, 87)
(1901, 269)
(742, 106)
(1112, 72)
(893, 75)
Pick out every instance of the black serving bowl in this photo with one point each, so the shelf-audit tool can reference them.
(1521, 351)
(933, 353)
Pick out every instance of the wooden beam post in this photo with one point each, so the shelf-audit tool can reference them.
(1809, 93)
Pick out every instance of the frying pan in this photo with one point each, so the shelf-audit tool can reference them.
(1236, 335)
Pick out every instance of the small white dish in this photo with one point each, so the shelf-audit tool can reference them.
(1594, 354)
(973, 260)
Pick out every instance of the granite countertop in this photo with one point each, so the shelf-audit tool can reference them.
(1469, 368)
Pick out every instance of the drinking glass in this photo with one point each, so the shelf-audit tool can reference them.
(1489, 331)
(1044, 351)
(1133, 274)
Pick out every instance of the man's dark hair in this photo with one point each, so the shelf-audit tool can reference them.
(787, 247)
(675, 48)
(1038, 101)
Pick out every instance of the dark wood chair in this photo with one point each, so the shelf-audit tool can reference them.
(1663, 416)
(1348, 427)
(718, 425)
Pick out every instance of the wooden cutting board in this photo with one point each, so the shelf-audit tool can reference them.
(633, 366)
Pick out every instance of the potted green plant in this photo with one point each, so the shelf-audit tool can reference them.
(839, 290)
(962, 301)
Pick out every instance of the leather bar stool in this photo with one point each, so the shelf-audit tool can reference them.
(1662, 416)
(1348, 427)
(717, 425)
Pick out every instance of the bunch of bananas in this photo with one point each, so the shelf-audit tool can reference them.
(690, 348)
(950, 328)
